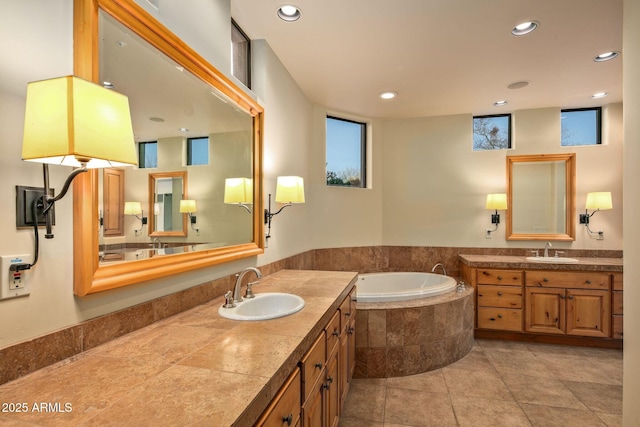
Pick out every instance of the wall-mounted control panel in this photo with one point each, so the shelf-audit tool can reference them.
(15, 281)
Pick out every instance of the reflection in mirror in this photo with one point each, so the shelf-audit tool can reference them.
(190, 127)
(169, 86)
(541, 197)
(166, 190)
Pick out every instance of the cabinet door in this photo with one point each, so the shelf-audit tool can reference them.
(113, 203)
(545, 310)
(344, 366)
(588, 313)
(333, 389)
(313, 413)
(284, 409)
(351, 332)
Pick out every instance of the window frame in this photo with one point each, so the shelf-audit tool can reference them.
(142, 155)
(235, 27)
(364, 126)
(598, 123)
(491, 116)
(189, 150)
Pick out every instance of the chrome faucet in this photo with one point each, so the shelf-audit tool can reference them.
(156, 240)
(236, 290)
(444, 271)
(546, 249)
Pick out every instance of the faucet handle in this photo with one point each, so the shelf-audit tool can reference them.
(535, 253)
(228, 300)
(559, 253)
(249, 292)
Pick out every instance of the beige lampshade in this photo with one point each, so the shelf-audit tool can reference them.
(69, 120)
(238, 190)
(599, 200)
(132, 208)
(187, 206)
(496, 202)
(290, 189)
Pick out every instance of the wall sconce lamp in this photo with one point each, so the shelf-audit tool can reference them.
(289, 190)
(189, 207)
(599, 201)
(135, 209)
(239, 191)
(495, 202)
(72, 122)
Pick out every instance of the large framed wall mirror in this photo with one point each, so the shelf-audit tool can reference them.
(541, 197)
(176, 97)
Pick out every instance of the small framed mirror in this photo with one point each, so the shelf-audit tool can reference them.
(541, 197)
(166, 189)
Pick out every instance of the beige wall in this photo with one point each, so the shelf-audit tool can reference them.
(631, 87)
(435, 185)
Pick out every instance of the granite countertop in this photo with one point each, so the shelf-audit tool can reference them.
(195, 368)
(521, 262)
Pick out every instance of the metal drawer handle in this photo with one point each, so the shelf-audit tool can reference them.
(588, 282)
(335, 333)
(570, 297)
(499, 316)
(499, 294)
(348, 313)
(499, 277)
(288, 419)
(330, 380)
(318, 365)
(351, 331)
(562, 296)
(545, 280)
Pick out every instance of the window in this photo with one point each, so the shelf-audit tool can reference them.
(198, 151)
(492, 132)
(346, 148)
(240, 54)
(148, 154)
(580, 126)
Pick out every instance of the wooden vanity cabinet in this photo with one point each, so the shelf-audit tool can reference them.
(571, 303)
(499, 294)
(327, 368)
(616, 306)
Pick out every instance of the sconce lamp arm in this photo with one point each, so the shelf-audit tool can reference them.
(65, 188)
(268, 215)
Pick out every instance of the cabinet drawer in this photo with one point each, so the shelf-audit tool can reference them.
(345, 312)
(333, 333)
(312, 364)
(499, 296)
(499, 277)
(505, 319)
(286, 404)
(577, 280)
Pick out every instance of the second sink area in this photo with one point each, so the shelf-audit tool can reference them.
(553, 259)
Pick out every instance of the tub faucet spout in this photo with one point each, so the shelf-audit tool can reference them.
(236, 290)
(444, 271)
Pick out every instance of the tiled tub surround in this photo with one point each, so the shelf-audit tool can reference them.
(195, 368)
(20, 359)
(410, 337)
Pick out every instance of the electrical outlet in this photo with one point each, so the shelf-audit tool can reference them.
(487, 234)
(14, 283)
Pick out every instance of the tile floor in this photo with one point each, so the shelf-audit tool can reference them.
(499, 383)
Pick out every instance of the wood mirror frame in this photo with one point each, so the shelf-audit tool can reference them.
(569, 160)
(153, 181)
(89, 276)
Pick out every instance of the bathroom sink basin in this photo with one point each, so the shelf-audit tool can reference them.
(552, 259)
(264, 306)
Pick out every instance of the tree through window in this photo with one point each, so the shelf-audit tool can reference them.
(492, 132)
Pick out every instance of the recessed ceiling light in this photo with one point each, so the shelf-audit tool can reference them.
(606, 56)
(599, 95)
(156, 119)
(289, 12)
(183, 130)
(518, 85)
(500, 103)
(387, 95)
(524, 28)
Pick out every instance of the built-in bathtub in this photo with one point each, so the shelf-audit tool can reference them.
(409, 323)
